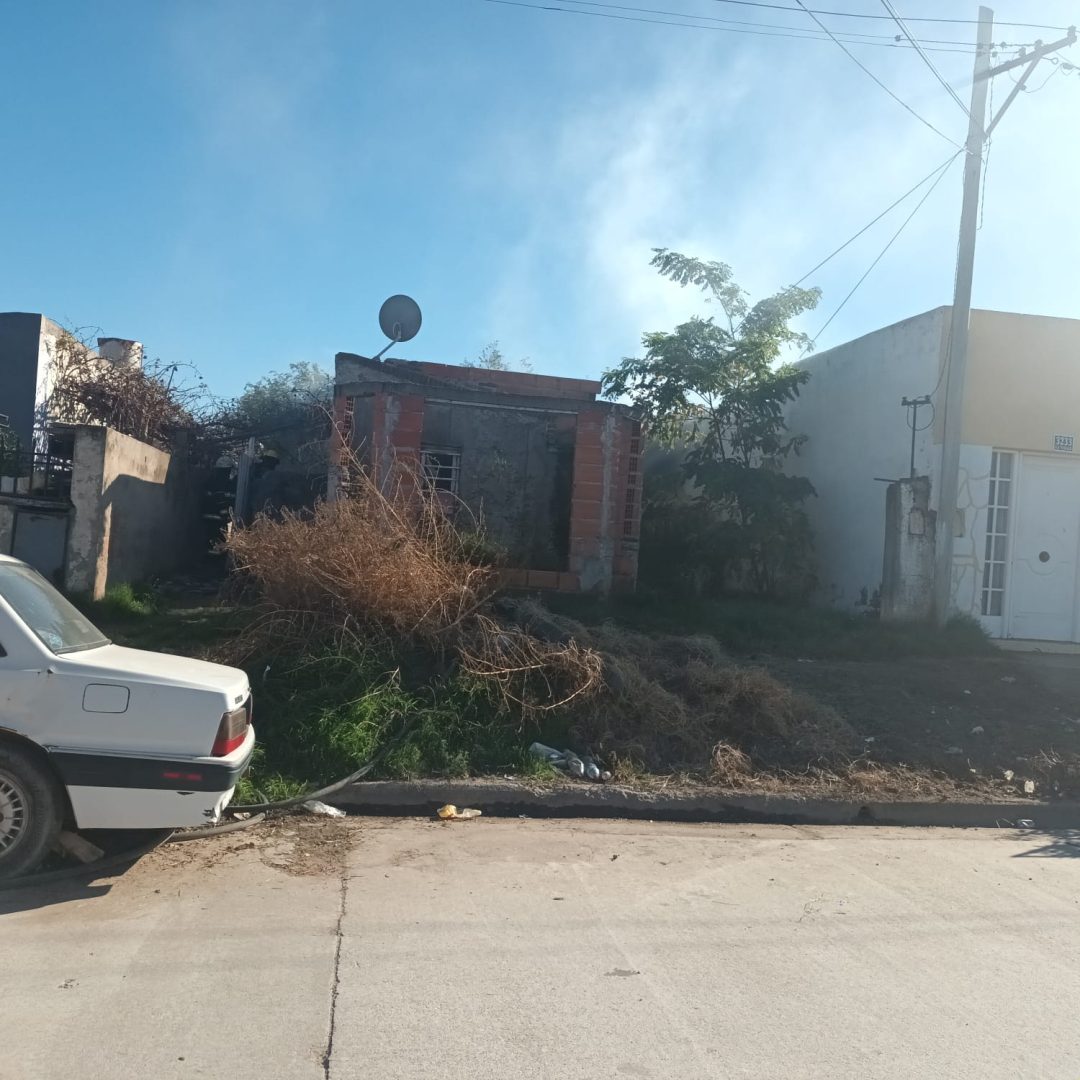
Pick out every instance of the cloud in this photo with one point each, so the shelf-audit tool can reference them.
(254, 87)
(767, 166)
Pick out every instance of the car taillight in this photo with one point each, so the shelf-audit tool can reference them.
(232, 730)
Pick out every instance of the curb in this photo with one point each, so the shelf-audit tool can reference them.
(505, 799)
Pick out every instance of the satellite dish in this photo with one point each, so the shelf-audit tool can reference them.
(399, 318)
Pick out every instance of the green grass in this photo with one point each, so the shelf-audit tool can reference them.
(138, 617)
(322, 719)
(125, 602)
(319, 718)
(750, 626)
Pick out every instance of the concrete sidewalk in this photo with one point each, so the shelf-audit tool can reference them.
(493, 949)
(204, 960)
(555, 949)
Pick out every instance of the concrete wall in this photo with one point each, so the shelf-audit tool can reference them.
(136, 511)
(857, 431)
(1022, 389)
(516, 474)
(1023, 381)
(556, 478)
(7, 526)
(907, 576)
(20, 334)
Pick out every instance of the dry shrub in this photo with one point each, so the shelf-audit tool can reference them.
(392, 566)
(730, 765)
(362, 561)
(136, 400)
(672, 701)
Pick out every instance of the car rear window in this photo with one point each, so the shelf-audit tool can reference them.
(55, 620)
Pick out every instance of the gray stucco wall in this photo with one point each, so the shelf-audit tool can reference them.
(516, 472)
(7, 527)
(136, 511)
(857, 432)
(20, 333)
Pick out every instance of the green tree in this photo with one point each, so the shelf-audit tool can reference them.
(715, 388)
(491, 357)
(283, 399)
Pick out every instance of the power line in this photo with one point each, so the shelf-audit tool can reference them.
(926, 59)
(808, 35)
(892, 39)
(880, 256)
(855, 60)
(859, 15)
(892, 206)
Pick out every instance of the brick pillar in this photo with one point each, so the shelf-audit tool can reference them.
(592, 521)
(396, 431)
(629, 504)
(341, 445)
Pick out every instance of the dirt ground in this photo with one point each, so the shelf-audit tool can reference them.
(974, 718)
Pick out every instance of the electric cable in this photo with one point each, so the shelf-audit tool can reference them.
(862, 15)
(791, 34)
(926, 59)
(855, 60)
(944, 165)
(892, 40)
(880, 256)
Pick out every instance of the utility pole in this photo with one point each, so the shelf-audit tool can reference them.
(914, 404)
(956, 355)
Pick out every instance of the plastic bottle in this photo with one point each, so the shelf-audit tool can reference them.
(574, 765)
(546, 753)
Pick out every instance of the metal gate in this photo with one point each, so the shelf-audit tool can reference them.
(40, 539)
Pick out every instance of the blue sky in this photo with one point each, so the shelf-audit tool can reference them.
(239, 184)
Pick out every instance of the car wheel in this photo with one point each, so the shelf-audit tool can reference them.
(30, 811)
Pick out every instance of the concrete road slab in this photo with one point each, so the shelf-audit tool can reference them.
(563, 950)
(208, 959)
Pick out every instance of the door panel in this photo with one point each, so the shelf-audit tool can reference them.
(41, 541)
(1045, 548)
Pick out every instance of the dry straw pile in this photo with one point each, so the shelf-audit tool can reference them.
(389, 567)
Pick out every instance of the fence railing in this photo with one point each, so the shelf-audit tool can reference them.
(34, 475)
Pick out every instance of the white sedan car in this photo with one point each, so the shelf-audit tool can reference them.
(102, 736)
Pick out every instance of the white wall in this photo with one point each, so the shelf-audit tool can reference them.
(857, 430)
(1023, 381)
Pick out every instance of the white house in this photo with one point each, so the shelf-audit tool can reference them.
(29, 344)
(1017, 530)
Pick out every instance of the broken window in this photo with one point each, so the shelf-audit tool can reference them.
(441, 468)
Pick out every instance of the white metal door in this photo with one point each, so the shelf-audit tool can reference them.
(1045, 547)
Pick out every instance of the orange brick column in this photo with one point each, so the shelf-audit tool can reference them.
(396, 430)
(341, 445)
(625, 567)
(595, 481)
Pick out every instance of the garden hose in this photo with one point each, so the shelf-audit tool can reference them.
(168, 836)
(258, 812)
(330, 789)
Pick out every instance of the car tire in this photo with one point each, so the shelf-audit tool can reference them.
(31, 810)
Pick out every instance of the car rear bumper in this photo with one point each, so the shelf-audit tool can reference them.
(119, 791)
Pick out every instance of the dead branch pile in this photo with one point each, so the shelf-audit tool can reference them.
(392, 567)
(681, 702)
(132, 399)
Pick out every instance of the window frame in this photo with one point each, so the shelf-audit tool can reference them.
(996, 548)
(446, 476)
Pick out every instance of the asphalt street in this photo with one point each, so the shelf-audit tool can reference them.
(390, 949)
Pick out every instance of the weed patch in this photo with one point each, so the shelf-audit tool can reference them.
(748, 626)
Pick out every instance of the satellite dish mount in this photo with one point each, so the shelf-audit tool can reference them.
(399, 320)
